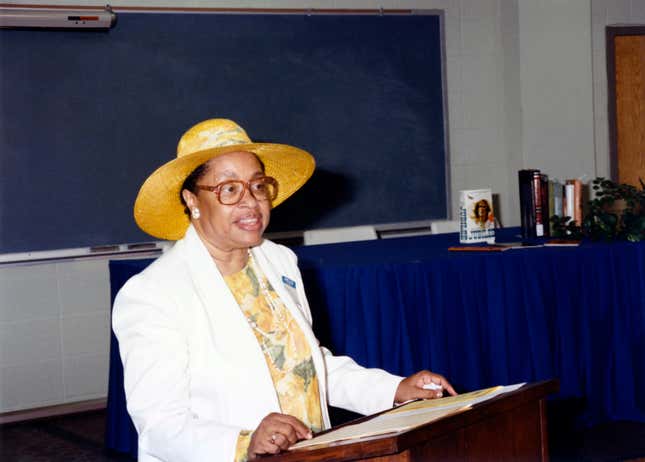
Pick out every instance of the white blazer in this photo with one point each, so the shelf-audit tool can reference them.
(194, 372)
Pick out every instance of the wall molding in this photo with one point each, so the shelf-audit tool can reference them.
(53, 411)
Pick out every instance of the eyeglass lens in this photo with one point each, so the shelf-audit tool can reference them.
(230, 192)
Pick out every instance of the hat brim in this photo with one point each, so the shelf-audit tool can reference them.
(158, 209)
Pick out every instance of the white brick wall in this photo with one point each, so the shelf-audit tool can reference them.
(556, 87)
(54, 333)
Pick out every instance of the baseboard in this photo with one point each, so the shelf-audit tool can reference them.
(53, 411)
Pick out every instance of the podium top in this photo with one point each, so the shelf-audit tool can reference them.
(448, 421)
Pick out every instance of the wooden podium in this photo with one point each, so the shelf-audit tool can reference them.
(509, 427)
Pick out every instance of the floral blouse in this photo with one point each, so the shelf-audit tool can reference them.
(285, 349)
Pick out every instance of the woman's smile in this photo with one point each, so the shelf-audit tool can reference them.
(251, 222)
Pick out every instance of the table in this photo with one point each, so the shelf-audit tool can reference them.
(481, 319)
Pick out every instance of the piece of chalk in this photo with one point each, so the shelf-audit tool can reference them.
(432, 386)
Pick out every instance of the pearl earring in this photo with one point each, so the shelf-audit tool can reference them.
(195, 213)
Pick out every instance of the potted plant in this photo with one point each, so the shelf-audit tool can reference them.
(617, 212)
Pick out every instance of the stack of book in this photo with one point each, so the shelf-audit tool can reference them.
(541, 198)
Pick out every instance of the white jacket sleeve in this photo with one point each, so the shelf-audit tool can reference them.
(154, 351)
(358, 389)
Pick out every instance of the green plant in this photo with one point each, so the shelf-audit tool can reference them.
(617, 212)
(565, 228)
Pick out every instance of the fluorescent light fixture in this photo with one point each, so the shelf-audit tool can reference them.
(56, 19)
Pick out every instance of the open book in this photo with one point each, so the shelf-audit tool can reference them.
(407, 416)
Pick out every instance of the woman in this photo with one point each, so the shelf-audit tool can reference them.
(482, 213)
(219, 357)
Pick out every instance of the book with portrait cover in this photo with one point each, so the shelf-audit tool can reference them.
(476, 216)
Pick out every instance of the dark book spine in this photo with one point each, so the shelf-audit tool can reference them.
(546, 212)
(527, 205)
(536, 189)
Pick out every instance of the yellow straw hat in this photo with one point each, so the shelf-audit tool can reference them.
(158, 209)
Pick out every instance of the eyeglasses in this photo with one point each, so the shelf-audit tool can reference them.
(231, 192)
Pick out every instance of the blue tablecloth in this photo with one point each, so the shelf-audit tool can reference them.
(481, 319)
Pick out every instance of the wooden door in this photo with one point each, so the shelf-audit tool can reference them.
(626, 78)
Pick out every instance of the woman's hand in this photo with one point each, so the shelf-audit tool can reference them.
(276, 433)
(412, 387)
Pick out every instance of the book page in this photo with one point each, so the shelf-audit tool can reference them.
(452, 402)
(463, 399)
(378, 426)
(408, 416)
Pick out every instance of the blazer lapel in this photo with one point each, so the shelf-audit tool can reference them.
(229, 328)
(274, 274)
